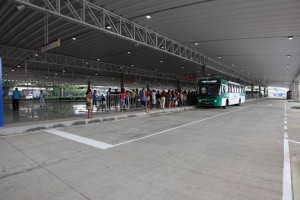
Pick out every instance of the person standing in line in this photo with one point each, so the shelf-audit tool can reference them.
(122, 99)
(42, 99)
(16, 98)
(153, 95)
(132, 99)
(143, 98)
(163, 96)
(89, 101)
(95, 98)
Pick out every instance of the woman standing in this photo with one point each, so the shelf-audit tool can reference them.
(89, 102)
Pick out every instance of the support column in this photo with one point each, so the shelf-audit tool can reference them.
(259, 92)
(61, 91)
(178, 86)
(252, 92)
(203, 70)
(1, 97)
(89, 84)
(122, 81)
(296, 91)
(264, 92)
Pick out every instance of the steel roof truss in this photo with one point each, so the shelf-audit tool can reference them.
(139, 32)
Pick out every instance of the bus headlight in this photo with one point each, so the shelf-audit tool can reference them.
(216, 101)
(199, 100)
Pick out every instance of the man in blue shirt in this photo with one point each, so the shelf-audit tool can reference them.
(95, 98)
(16, 98)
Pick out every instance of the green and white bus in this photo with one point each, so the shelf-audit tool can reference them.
(219, 92)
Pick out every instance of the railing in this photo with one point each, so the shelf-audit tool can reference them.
(113, 102)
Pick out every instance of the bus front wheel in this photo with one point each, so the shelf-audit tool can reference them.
(227, 104)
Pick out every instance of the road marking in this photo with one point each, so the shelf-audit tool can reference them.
(294, 141)
(178, 127)
(285, 122)
(287, 177)
(285, 127)
(102, 145)
(285, 118)
(80, 139)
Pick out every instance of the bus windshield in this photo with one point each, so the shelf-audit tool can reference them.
(209, 89)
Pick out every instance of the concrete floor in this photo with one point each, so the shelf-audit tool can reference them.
(236, 153)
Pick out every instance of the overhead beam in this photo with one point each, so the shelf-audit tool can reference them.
(67, 61)
(138, 33)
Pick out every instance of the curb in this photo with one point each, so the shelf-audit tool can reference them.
(82, 121)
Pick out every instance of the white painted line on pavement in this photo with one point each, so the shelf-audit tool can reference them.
(294, 141)
(287, 177)
(285, 127)
(178, 127)
(80, 139)
(285, 118)
(285, 122)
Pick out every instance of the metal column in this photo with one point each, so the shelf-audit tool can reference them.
(252, 92)
(259, 92)
(296, 91)
(122, 81)
(1, 99)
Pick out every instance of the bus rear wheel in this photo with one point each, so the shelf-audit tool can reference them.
(240, 102)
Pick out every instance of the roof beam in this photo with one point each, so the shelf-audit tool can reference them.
(67, 61)
(139, 33)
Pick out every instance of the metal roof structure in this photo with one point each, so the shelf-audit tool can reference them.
(247, 40)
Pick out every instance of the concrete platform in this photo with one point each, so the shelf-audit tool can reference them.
(98, 117)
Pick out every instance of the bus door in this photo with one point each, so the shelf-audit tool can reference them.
(224, 91)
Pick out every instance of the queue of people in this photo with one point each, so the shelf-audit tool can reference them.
(148, 99)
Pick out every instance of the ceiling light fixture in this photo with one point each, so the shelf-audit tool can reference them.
(161, 61)
(129, 52)
(108, 27)
(20, 7)
(18, 66)
(74, 38)
(148, 16)
(132, 65)
(288, 56)
(291, 37)
(219, 57)
(12, 70)
(232, 65)
(287, 66)
(98, 59)
(196, 43)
